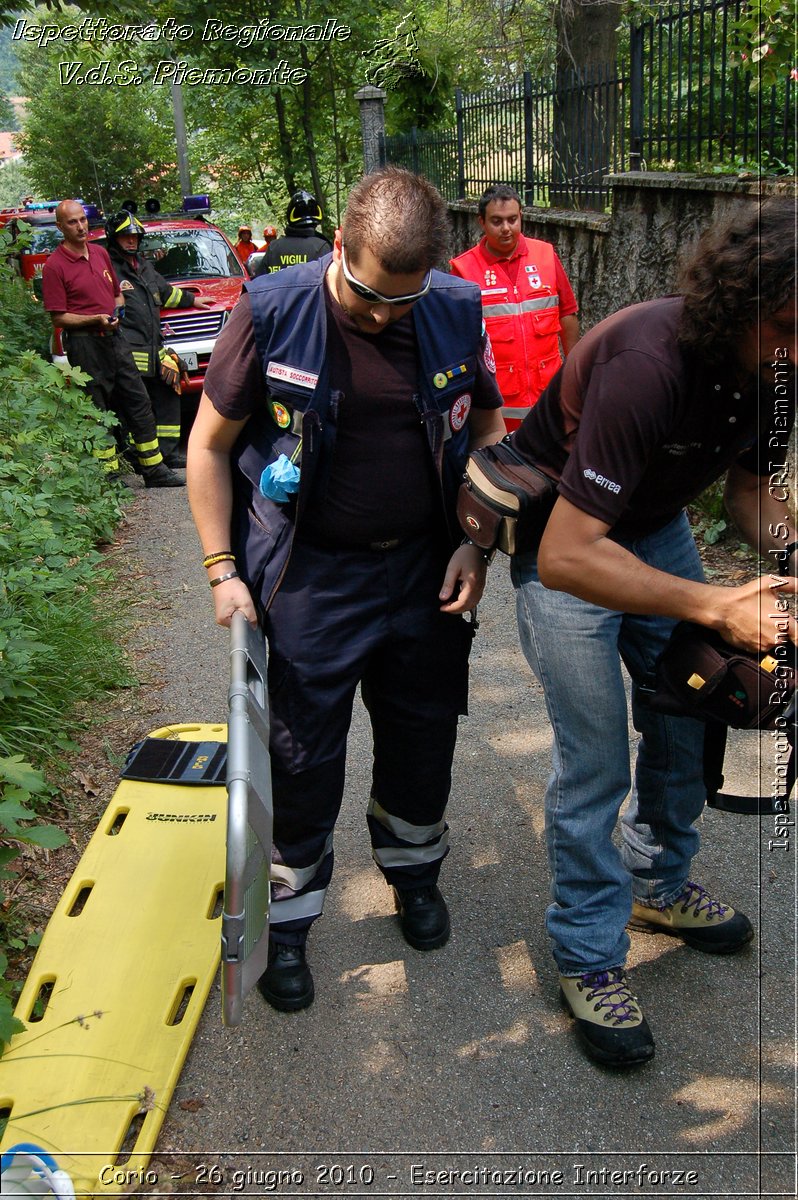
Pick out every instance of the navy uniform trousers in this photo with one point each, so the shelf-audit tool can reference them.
(339, 619)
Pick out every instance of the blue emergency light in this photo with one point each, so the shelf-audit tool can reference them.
(192, 204)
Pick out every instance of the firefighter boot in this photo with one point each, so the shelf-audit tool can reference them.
(160, 476)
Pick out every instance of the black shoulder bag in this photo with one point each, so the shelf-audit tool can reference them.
(700, 675)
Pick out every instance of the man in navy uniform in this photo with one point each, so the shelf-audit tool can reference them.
(341, 403)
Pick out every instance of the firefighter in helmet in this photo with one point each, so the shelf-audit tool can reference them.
(301, 241)
(245, 245)
(145, 293)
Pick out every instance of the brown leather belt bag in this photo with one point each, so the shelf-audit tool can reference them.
(504, 501)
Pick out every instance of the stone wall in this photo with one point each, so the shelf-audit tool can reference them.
(631, 254)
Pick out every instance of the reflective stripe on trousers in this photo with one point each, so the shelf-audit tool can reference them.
(409, 845)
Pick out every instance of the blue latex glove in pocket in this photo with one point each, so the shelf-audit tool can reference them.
(280, 480)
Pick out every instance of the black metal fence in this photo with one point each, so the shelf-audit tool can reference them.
(691, 105)
(681, 104)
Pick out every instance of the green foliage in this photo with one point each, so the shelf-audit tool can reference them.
(20, 787)
(708, 512)
(8, 118)
(55, 506)
(15, 183)
(56, 644)
(763, 41)
(24, 323)
(103, 142)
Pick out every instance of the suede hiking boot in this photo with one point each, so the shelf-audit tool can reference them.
(287, 983)
(701, 922)
(161, 476)
(423, 917)
(609, 1023)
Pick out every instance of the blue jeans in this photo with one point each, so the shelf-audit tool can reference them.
(575, 649)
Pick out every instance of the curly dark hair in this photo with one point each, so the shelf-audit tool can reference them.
(400, 217)
(737, 275)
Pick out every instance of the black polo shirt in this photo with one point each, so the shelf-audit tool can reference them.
(635, 427)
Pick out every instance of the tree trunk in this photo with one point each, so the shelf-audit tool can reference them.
(584, 102)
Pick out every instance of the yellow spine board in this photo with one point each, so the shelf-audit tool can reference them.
(124, 970)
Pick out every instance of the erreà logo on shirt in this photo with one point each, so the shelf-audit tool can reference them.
(293, 375)
(601, 480)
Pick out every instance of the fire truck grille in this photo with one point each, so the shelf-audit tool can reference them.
(193, 323)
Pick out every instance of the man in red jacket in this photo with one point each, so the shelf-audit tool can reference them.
(528, 304)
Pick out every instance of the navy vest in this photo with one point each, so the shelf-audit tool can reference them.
(289, 322)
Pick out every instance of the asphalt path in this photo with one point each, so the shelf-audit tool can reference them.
(455, 1072)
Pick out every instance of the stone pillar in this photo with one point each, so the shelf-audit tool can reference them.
(372, 124)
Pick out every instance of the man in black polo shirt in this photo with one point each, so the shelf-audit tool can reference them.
(650, 407)
(81, 292)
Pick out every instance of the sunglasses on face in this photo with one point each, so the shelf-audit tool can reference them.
(371, 297)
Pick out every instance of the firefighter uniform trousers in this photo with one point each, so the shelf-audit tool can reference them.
(371, 617)
(117, 387)
(166, 407)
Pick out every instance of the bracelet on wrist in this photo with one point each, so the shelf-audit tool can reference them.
(210, 560)
(784, 561)
(224, 578)
(486, 554)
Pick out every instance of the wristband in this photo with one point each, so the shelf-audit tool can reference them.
(486, 554)
(223, 578)
(210, 560)
(784, 563)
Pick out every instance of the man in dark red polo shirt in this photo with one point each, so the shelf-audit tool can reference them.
(81, 293)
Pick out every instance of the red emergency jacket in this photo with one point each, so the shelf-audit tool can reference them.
(523, 322)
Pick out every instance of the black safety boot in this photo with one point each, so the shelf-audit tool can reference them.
(287, 983)
(423, 917)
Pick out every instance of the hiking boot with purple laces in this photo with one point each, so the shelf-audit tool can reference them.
(609, 1022)
(701, 922)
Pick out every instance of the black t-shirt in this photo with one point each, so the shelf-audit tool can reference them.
(381, 482)
(634, 427)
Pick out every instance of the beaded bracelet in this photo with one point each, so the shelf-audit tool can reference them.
(210, 560)
(223, 578)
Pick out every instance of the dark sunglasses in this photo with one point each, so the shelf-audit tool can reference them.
(371, 297)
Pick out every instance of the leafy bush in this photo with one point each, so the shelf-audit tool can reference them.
(709, 513)
(56, 504)
(56, 639)
(19, 785)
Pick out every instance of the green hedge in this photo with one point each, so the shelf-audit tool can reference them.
(57, 633)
